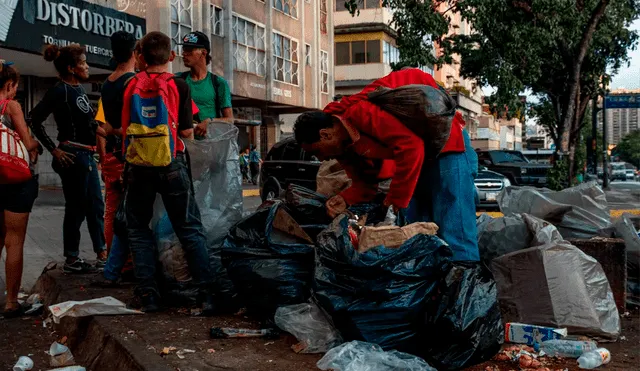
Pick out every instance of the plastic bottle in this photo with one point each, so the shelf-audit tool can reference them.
(594, 359)
(567, 348)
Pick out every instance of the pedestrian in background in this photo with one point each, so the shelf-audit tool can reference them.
(210, 92)
(244, 165)
(254, 163)
(16, 199)
(73, 156)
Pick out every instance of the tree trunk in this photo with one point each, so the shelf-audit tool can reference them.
(574, 81)
(574, 133)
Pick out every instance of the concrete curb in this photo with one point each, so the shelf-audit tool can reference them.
(91, 339)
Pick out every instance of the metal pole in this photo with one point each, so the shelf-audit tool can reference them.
(594, 137)
(605, 165)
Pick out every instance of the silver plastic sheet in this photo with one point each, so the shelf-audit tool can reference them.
(628, 228)
(577, 212)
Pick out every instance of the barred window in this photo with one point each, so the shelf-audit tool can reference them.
(288, 7)
(323, 16)
(285, 59)
(216, 21)
(249, 46)
(307, 54)
(324, 71)
(181, 22)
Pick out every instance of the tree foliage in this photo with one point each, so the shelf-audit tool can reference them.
(629, 148)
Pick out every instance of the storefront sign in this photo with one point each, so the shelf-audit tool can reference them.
(31, 24)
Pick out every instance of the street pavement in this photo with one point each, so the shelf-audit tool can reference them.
(44, 236)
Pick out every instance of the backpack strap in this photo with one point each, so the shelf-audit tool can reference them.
(215, 80)
(4, 104)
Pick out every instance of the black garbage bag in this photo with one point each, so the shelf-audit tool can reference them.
(307, 206)
(378, 296)
(268, 268)
(463, 324)
(427, 111)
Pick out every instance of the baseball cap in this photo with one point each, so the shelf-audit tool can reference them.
(196, 40)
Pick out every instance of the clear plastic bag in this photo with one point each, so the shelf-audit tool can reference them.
(308, 323)
(627, 228)
(361, 356)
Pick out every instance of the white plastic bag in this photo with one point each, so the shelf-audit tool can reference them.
(95, 307)
(361, 356)
(60, 355)
(310, 326)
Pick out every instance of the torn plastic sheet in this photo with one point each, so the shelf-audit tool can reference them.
(361, 356)
(105, 306)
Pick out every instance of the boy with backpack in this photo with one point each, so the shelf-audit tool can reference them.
(157, 113)
(210, 92)
(373, 145)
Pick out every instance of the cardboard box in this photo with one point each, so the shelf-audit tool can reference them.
(521, 333)
(392, 236)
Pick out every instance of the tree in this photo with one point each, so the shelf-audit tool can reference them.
(629, 148)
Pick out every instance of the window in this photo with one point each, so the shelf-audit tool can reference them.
(323, 16)
(324, 71)
(362, 4)
(288, 7)
(285, 59)
(216, 21)
(249, 46)
(390, 53)
(181, 22)
(357, 52)
(307, 54)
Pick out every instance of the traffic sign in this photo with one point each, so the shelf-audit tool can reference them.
(623, 101)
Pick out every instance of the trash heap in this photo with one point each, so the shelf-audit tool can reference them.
(325, 282)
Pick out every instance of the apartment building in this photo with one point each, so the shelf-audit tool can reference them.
(277, 55)
(621, 121)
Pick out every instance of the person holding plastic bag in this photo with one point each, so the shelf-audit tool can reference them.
(431, 163)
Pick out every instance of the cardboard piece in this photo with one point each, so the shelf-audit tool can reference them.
(331, 179)
(285, 223)
(392, 236)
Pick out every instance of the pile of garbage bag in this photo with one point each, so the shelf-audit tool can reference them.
(218, 192)
(577, 212)
(378, 296)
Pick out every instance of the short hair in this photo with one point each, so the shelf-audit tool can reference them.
(63, 58)
(122, 44)
(308, 125)
(156, 48)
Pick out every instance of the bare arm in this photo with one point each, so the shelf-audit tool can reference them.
(186, 134)
(20, 125)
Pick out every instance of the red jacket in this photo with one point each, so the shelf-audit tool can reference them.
(382, 146)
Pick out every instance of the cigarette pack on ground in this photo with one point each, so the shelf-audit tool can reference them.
(530, 334)
(392, 236)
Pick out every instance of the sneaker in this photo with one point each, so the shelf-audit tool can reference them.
(149, 303)
(78, 266)
(101, 260)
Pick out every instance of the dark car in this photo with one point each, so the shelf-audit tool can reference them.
(287, 163)
(515, 166)
(489, 184)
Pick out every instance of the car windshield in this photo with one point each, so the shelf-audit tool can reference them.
(617, 167)
(498, 157)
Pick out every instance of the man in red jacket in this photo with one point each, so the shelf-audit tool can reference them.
(372, 146)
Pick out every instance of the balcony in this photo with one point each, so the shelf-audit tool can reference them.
(366, 16)
(368, 71)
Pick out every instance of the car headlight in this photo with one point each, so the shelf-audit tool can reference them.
(523, 170)
(506, 183)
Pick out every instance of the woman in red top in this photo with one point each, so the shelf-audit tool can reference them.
(372, 145)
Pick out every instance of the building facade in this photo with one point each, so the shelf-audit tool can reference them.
(621, 121)
(277, 55)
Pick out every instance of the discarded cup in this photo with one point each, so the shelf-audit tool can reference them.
(594, 359)
(24, 363)
(60, 355)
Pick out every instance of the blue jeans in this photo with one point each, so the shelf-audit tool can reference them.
(445, 195)
(173, 183)
(83, 199)
(117, 258)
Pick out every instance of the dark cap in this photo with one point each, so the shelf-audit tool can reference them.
(196, 40)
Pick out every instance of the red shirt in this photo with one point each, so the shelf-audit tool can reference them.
(382, 146)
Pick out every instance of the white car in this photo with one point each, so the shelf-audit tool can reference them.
(631, 174)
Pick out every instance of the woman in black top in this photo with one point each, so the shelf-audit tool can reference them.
(73, 156)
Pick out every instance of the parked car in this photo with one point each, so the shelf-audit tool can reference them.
(287, 163)
(515, 167)
(488, 185)
(631, 174)
(618, 171)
